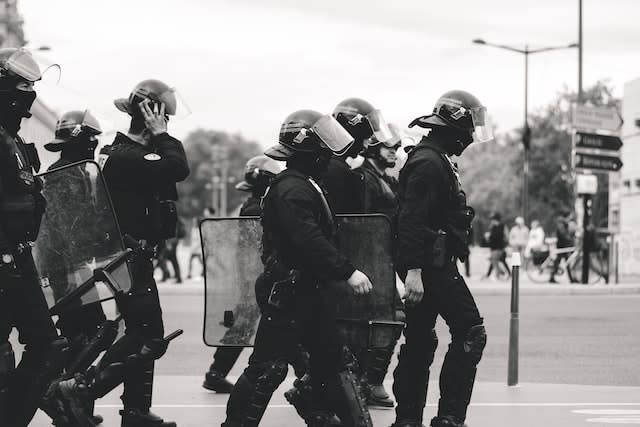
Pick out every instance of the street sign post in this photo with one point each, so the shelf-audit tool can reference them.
(597, 162)
(598, 118)
(594, 152)
(598, 142)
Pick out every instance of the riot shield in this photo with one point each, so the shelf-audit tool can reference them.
(231, 253)
(79, 234)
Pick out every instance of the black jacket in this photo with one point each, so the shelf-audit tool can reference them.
(139, 176)
(299, 231)
(345, 187)
(21, 204)
(430, 200)
(251, 206)
(380, 191)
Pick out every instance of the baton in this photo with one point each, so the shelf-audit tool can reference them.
(173, 335)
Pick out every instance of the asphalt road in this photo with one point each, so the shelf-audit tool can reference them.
(564, 339)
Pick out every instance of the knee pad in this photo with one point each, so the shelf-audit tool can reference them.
(474, 344)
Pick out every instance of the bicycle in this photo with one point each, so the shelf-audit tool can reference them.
(540, 265)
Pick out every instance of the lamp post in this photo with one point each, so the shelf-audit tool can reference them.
(526, 132)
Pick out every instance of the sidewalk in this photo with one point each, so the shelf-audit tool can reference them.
(478, 287)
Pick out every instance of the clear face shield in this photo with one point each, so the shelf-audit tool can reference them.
(174, 104)
(482, 127)
(29, 67)
(332, 134)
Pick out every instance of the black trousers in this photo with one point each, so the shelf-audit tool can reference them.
(143, 320)
(445, 294)
(309, 324)
(23, 306)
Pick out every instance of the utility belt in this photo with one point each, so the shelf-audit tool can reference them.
(445, 247)
(283, 282)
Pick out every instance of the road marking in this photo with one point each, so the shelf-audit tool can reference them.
(493, 404)
(620, 420)
(607, 411)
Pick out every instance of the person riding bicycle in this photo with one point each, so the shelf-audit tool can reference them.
(565, 239)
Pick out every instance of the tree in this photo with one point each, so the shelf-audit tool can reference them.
(492, 172)
(206, 151)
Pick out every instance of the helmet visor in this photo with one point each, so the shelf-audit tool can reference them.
(174, 104)
(31, 68)
(379, 126)
(482, 127)
(332, 134)
(90, 122)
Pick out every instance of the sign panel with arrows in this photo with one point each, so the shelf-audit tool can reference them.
(599, 142)
(597, 162)
(597, 118)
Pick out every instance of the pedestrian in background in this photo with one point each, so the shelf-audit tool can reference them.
(497, 241)
(535, 243)
(519, 236)
(196, 248)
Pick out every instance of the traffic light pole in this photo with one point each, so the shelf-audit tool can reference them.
(526, 136)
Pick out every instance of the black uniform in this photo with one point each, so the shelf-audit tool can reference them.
(22, 303)
(380, 191)
(431, 200)
(298, 251)
(142, 184)
(345, 187)
(80, 323)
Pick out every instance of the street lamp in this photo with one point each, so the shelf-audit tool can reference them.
(526, 132)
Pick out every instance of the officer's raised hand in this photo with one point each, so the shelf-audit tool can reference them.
(360, 283)
(155, 119)
(414, 289)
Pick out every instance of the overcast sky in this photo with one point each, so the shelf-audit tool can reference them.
(244, 65)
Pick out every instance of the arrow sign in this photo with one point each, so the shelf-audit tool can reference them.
(603, 118)
(592, 161)
(601, 142)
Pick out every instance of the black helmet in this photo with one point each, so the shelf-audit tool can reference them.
(258, 172)
(372, 145)
(309, 131)
(461, 111)
(153, 91)
(361, 119)
(72, 127)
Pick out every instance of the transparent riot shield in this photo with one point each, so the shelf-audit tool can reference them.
(369, 321)
(231, 255)
(78, 236)
(231, 250)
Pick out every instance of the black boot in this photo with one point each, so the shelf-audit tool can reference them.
(215, 381)
(446, 421)
(137, 396)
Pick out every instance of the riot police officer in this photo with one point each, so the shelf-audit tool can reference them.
(141, 169)
(300, 258)
(433, 229)
(259, 171)
(345, 188)
(22, 302)
(76, 140)
(380, 196)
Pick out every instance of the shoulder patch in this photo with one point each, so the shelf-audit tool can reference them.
(152, 157)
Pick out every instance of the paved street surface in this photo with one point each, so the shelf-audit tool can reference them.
(579, 352)
(578, 361)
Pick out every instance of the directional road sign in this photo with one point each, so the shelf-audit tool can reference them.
(603, 163)
(600, 142)
(599, 118)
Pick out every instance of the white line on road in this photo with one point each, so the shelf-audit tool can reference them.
(492, 404)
